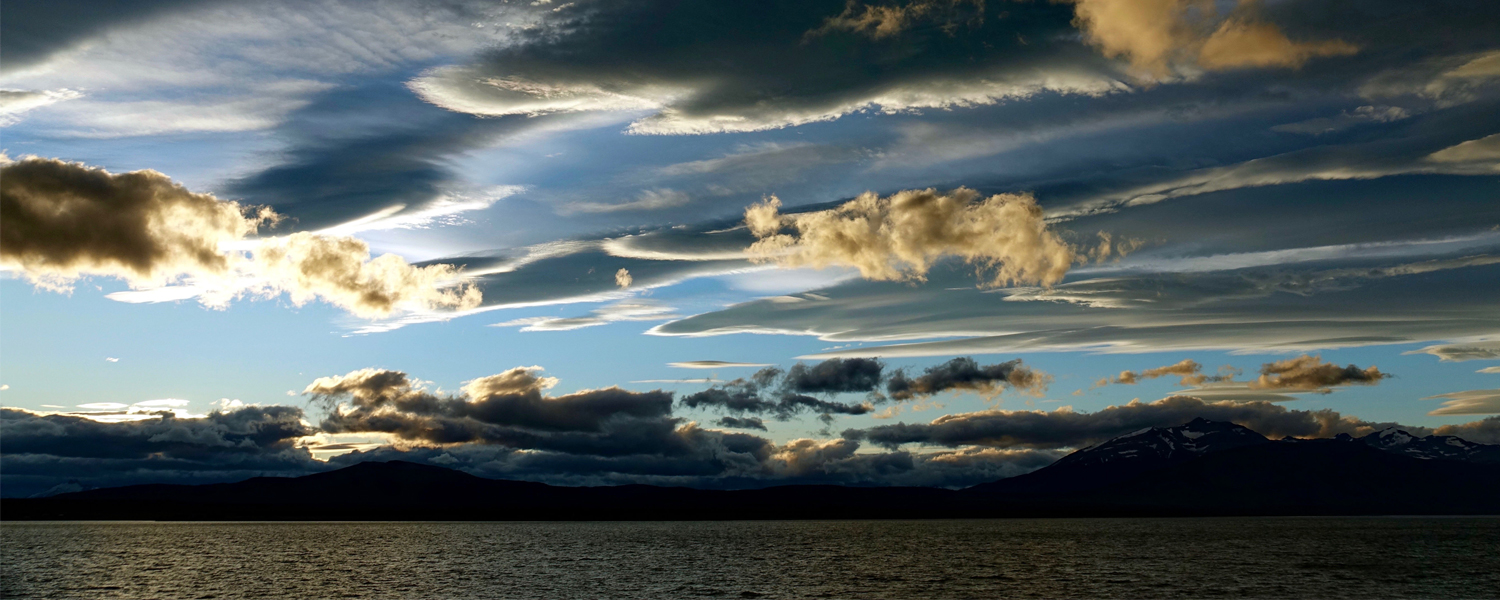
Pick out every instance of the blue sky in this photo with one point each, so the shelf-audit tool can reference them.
(1327, 188)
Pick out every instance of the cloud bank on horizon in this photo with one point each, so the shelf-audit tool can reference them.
(891, 189)
(508, 425)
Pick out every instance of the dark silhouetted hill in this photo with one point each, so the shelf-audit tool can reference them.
(1200, 468)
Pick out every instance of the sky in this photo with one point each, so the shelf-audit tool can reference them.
(921, 242)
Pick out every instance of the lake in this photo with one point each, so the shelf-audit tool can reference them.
(1423, 557)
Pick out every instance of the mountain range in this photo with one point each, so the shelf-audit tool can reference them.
(1199, 468)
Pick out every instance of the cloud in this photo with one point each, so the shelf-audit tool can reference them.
(740, 396)
(623, 278)
(1345, 120)
(66, 220)
(637, 310)
(741, 423)
(168, 66)
(966, 374)
(32, 33)
(341, 272)
(647, 200)
(1485, 431)
(1464, 351)
(880, 21)
(43, 451)
(899, 237)
(1158, 34)
(1065, 428)
(834, 376)
(714, 68)
(1448, 80)
(1485, 149)
(1365, 159)
(507, 409)
(1312, 373)
(1279, 307)
(15, 102)
(392, 167)
(1489, 370)
(783, 394)
(1471, 402)
(1189, 372)
(713, 364)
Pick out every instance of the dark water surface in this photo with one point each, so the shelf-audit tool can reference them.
(1088, 558)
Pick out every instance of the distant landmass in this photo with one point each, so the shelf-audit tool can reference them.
(1197, 469)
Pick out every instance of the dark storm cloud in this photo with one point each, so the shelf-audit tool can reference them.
(45, 451)
(1065, 428)
(712, 66)
(965, 373)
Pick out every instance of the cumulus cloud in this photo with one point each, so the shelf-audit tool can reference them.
(1155, 35)
(341, 272)
(623, 278)
(42, 451)
(1470, 402)
(1485, 431)
(66, 220)
(900, 237)
(1312, 373)
(508, 409)
(834, 376)
(1188, 371)
(966, 374)
(1065, 428)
